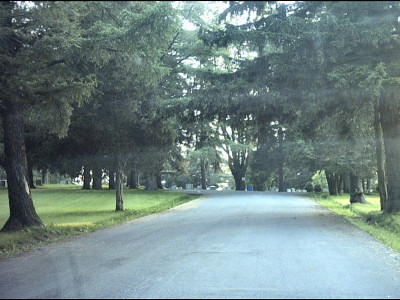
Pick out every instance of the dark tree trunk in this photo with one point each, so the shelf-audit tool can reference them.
(356, 190)
(133, 179)
(390, 121)
(380, 154)
(337, 183)
(346, 183)
(158, 182)
(111, 180)
(22, 210)
(238, 162)
(44, 176)
(30, 177)
(328, 176)
(97, 178)
(281, 160)
(151, 183)
(87, 178)
(119, 189)
(203, 174)
(341, 183)
(240, 184)
(333, 180)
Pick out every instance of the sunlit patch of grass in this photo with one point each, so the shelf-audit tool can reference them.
(68, 210)
(75, 224)
(368, 217)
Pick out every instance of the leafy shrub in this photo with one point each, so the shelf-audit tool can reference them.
(318, 188)
(309, 187)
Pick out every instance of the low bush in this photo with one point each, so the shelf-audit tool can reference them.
(309, 187)
(318, 188)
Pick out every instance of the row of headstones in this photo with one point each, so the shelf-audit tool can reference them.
(189, 186)
(293, 190)
(3, 182)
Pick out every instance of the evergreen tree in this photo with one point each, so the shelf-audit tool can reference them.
(39, 48)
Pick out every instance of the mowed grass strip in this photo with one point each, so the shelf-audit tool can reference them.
(68, 210)
(368, 217)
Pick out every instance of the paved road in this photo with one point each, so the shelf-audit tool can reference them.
(228, 245)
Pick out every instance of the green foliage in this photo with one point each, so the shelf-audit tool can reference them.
(320, 178)
(314, 69)
(309, 187)
(317, 188)
(382, 226)
(47, 38)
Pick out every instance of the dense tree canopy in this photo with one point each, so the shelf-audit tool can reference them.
(267, 88)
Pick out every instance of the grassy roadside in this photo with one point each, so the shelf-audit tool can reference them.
(368, 217)
(68, 210)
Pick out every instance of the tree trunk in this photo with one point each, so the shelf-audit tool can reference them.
(87, 178)
(380, 155)
(390, 121)
(158, 182)
(119, 189)
(133, 179)
(364, 184)
(22, 210)
(281, 160)
(240, 184)
(346, 183)
(44, 176)
(111, 180)
(341, 183)
(151, 184)
(333, 180)
(203, 174)
(97, 178)
(368, 190)
(30, 177)
(356, 190)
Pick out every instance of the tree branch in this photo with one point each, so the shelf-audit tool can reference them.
(177, 34)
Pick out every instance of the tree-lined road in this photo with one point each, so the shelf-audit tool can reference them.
(227, 245)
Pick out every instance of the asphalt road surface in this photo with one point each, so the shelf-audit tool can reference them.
(226, 245)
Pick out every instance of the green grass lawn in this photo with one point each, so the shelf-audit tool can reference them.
(67, 210)
(382, 226)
